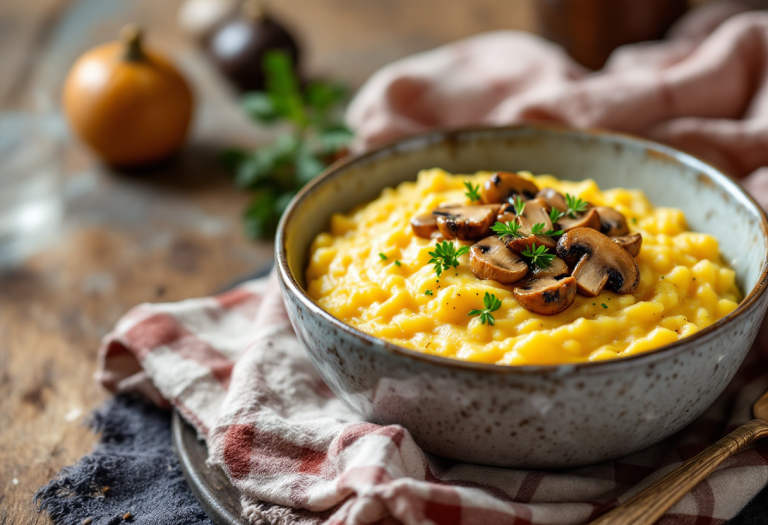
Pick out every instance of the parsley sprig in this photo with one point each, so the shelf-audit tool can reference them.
(510, 228)
(315, 136)
(575, 205)
(538, 229)
(473, 191)
(446, 256)
(491, 303)
(539, 256)
(519, 205)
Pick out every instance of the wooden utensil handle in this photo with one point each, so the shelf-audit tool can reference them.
(649, 505)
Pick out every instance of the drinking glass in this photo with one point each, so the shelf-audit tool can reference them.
(31, 202)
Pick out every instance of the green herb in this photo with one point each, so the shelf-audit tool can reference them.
(397, 263)
(604, 305)
(575, 205)
(473, 192)
(539, 256)
(555, 215)
(427, 292)
(446, 256)
(538, 229)
(491, 303)
(315, 137)
(519, 205)
(634, 220)
(511, 228)
(382, 257)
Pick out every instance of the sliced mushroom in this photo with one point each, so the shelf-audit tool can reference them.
(554, 198)
(536, 211)
(598, 262)
(586, 219)
(503, 186)
(506, 213)
(612, 222)
(424, 226)
(548, 291)
(489, 259)
(631, 243)
(466, 222)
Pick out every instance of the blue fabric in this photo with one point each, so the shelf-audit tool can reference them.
(135, 459)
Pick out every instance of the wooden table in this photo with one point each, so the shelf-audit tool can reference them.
(163, 235)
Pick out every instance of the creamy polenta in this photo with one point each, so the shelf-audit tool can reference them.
(373, 273)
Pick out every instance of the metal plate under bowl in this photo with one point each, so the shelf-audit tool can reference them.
(218, 498)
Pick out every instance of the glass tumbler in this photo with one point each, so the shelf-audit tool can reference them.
(31, 200)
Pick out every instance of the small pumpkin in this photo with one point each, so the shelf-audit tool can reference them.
(128, 102)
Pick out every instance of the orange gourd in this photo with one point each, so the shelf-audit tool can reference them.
(127, 102)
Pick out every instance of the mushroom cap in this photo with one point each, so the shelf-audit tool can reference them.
(466, 222)
(547, 295)
(585, 219)
(631, 243)
(504, 185)
(553, 198)
(556, 268)
(424, 226)
(612, 222)
(506, 213)
(598, 262)
(489, 259)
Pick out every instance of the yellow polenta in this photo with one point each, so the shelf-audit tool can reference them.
(684, 285)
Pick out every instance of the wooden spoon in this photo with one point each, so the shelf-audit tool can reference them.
(651, 504)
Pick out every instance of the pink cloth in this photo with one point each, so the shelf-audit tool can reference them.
(233, 367)
(705, 90)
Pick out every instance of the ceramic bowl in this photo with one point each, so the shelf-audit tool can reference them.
(532, 416)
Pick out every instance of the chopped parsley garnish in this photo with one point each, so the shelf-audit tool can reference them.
(519, 205)
(539, 256)
(427, 292)
(511, 228)
(382, 257)
(473, 191)
(446, 256)
(538, 229)
(491, 303)
(397, 263)
(575, 205)
(604, 305)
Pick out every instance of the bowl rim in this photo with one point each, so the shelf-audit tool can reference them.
(446, 134)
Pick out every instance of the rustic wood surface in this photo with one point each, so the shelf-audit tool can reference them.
(162, 235)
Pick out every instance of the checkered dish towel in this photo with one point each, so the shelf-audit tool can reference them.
(233, 367)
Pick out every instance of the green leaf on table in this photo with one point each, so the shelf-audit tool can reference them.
(333, 139)
(259, 106)
(308, 166)
(283, 87)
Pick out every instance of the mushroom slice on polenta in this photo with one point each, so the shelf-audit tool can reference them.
(490, 259)
(631, 243)
(598, 262)
(504, 186)
(466, 222)
(612, 222)
(548, 291)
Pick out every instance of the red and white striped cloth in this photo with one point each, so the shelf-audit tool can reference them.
(233, 367)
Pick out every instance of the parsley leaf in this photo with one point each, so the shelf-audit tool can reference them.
(446, 256)
(511, 228)
(427, 292)
(555, 215)
(539, 256)
(538, 229)
(383, 257)
(519, 205)
(473, 191)
(491, 303)
(575, 205)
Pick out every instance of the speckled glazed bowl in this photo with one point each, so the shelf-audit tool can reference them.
(532, 416)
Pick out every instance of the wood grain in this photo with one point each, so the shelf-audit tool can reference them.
(164, 234)
(651, 504)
